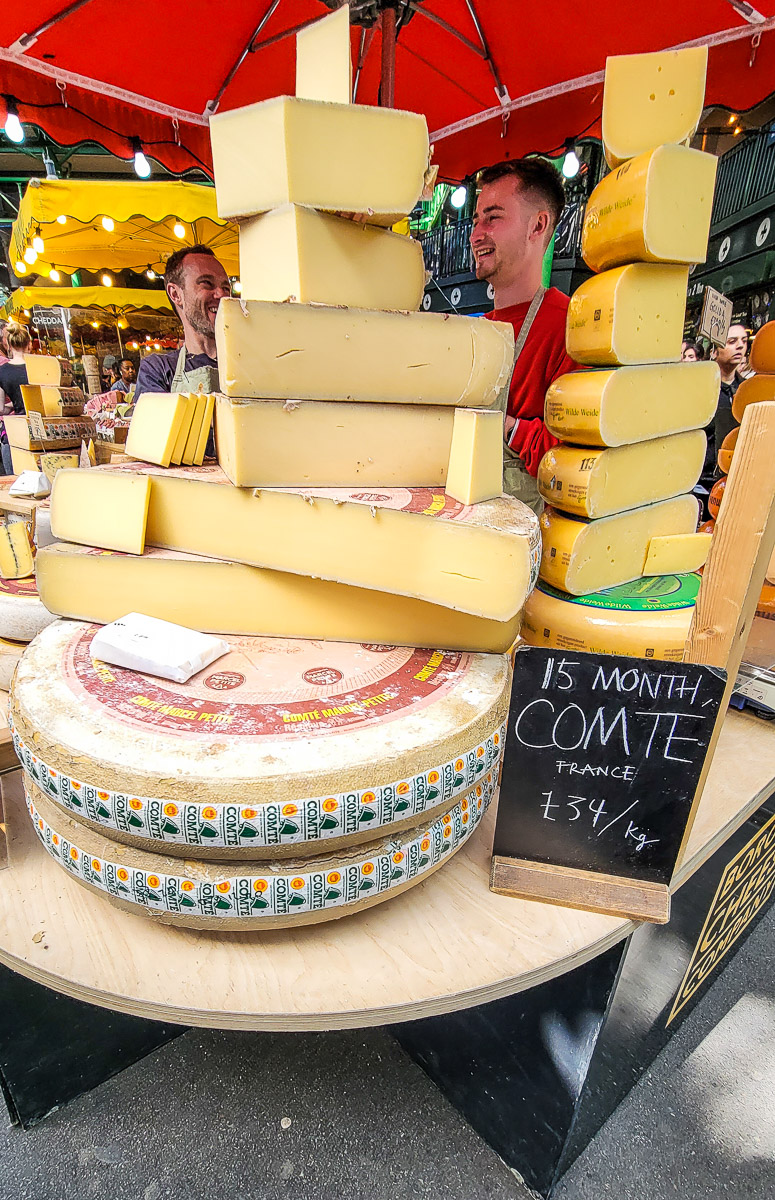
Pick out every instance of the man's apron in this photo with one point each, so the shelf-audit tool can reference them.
(199, 379)
(516, 479)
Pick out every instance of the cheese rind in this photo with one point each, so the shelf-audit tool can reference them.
(347, 158)
(762, 355)
(589, 556)
(677, 554)
(412, 542)
(649, 618)
(43, 369)
(599, 483)
(727, 449)
(266, 443)
(475, 471)
(632, 404)
(155, 427)
(99, 508)
(632, 314)
(297, 253)
(655, 208)
(315, 352)
(649, 99)
(323, 59)
(757, 389)
(16, 559)
(231, 598)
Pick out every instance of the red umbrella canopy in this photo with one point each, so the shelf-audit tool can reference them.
(494, 78)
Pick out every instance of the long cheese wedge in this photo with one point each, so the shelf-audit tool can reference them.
(43, 369)
(649, 99)
(677, 553)
(184, 430)
(347, 158)
(648, 618)
(589, 556)
(231, 598)
(266, 443)
(632, 314)
(758, 389)
(309, 352)
(599, 483)
(156, 425)
(412, 542)
(655, 208)
(204, 432)
(111, 513)
(323, 59)
(195, 432)
(297, 253)
(16, 560)
(762, 356)
(614, 408)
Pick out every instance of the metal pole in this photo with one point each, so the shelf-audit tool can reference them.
(387, 93)
(118, 331)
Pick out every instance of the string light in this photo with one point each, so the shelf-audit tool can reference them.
(20, 267)
(30, 255)
(236, 287)
(95, 324)
(570, 164)
(37, 242)
(142, 166)
(459, 197)
(179, 229)
(732, 118)
(54, 275)
(61, 219)
(26, 312)
(150, 273)
(108, 224)
(13, 126)
(738, 130)
(107, 281)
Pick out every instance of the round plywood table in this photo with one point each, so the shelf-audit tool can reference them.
(447, 944)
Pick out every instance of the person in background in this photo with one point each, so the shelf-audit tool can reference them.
(126, 376)
(517, 211)
(691, 352)
(196, 283)
(3, 345)
(13, 374)
(111, 376)
(730, 359)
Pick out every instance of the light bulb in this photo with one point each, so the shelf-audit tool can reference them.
(121, 323)
(95, 324)
(54, 275)
(459, 197)
(571, 164)
(26, 312)
(142, 166)
(150, 273)
(20, 267)
(37, 243)
(179, 230)
(156, 346)
(13, 126)
(61, 219)
(236, 287)
(107, 281)
(30, 255)
(108, 224)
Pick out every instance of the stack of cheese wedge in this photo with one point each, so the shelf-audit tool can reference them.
(48, 435)
(618, 487)
(356, 504)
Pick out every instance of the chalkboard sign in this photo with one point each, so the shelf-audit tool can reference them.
(602, 761)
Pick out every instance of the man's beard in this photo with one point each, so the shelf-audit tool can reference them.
(199, 321)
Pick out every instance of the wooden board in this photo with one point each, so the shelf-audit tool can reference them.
(448, 944)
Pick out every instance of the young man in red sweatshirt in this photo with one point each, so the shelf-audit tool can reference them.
(517, 211)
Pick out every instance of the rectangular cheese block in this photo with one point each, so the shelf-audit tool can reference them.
(58, 433)
(101, 508)
(348, 158)
(598, 483)
(267, 443)
(324, 60)
(655, 208)
(588, 556)
(475, 471)
(309, 352)
(762, 356)
(297, 253)
(194, 433)
(155, 426)
(185, 428)
(43, 369)
(50, 464)
(418, 542)
(649, 99)
(230, 598)
(631, 404)
(632, 314)
(677, 554)
(16, 558)
(24, 460)
(204, 432)
(52, 401)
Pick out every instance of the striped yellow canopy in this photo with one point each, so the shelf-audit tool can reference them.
(114, 300)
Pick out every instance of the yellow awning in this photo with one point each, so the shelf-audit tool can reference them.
(143, 214)
(114, 300)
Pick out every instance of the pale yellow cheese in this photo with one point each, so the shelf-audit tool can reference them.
(631, 404)
(24, 460)
(655, 208)
(323, 59)
(649, 99)
(195, 432)
(598, 483)
(16, 559)
(185, 428)
(418, 543)
(475, 471)
(297, 253)
(43, 369)
(266, 443)
(230, 598)
(60, 432)
(632, 314)
(587, 556)
(52, 401)
(50, 464)
(677, 554)
(99, 508)
(155, 425)
(204, 432)
(309, 352)
(762, 356)
(347, 158)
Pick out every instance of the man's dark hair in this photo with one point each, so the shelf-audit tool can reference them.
(174, 269)
(121, 362)
(534, 175)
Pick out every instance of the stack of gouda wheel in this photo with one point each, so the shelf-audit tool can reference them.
(620, 514)
(356, 503)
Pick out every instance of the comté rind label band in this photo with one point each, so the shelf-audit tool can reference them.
(228, 896)
(22, 614)
(280, 746)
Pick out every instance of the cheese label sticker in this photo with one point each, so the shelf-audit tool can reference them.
(655, 593)
(366, 874)
(270, 687)
(19, 587)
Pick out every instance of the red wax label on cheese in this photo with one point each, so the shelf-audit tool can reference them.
(270, 687)
(18, 587)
